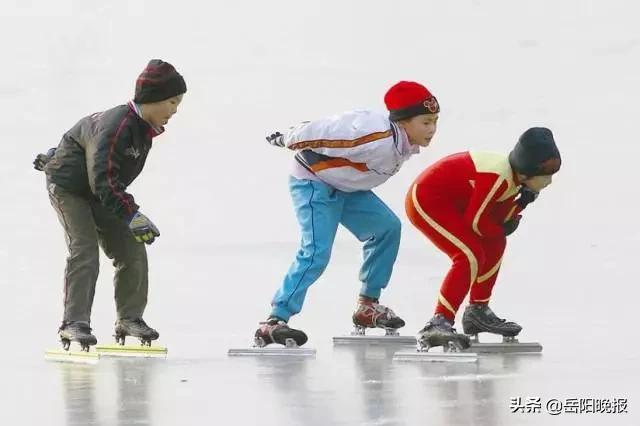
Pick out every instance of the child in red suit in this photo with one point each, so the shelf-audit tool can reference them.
(466, 204)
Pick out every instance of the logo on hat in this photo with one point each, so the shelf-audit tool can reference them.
(431, 105)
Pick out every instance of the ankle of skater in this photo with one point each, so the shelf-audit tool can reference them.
(280, 314)
(446, 314)
(368, 297)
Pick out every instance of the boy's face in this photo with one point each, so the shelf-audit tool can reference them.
(538, 183)
(420, 128)
(159, 113)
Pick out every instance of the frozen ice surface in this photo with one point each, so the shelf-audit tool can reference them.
(219, 195)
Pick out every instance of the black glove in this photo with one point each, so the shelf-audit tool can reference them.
(42, 159)
(276, 139)
(143, 229)
(511, 225)
(526, 197)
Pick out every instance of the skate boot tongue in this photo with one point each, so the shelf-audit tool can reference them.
(371, 314)
(491, 315)
(140, 322)
(439, 321)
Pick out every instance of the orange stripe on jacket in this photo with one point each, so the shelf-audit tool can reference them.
(341, 143)
(338, 162)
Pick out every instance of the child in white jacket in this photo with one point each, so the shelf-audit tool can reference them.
(339, 160)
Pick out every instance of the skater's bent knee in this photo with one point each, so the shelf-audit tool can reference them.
(321, 260)
(394, 226)
(476, 257)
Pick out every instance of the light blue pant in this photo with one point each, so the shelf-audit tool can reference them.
(320, 208)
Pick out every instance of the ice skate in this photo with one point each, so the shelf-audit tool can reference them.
(134, 328)
(79, 332)
(439, 332)
(76, 331)
(277, 331)
(371, 314)
(288, 340)
(479, 318)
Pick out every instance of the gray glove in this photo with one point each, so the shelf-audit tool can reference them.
(42, 159)
(276, 139)
(143, 229)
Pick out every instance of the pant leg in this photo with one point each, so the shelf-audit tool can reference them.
(131, 279)
(83, 263)
(445, 226)
(375, 224)
(318, 209)
(487, 276)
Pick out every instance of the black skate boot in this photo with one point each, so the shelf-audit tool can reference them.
(371, 314)
(478, 318)
(76, 331)
(275, 330)
(440, 332)
(135, 328)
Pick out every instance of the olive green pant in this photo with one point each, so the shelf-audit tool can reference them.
(87, 225)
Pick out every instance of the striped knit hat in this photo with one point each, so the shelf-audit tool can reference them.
(157, 82)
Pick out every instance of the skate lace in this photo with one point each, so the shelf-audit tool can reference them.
(272, 325)
(140, 322)
(272, 321)
(493, 318)
(381, 310)
(441, 323)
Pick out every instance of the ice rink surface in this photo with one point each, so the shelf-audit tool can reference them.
(219, 195)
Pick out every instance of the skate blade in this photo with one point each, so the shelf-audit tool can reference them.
(374, 340)
(73, 356)
(507, 348)
(272, 351)
(133, 351)
(417, 356)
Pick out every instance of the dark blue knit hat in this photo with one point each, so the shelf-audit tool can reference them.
(536, 153)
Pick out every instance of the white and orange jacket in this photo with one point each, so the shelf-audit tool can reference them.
(353, 151)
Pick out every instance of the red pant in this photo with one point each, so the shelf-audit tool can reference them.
(476, 260)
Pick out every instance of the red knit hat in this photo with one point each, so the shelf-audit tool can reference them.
(407, 99)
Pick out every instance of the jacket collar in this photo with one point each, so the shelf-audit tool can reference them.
(153, 131)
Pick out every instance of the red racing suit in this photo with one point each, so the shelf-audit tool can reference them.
(460, 204)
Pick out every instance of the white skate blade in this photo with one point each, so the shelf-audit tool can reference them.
(73, 356)
(419, 356)
(273, 351)
(133, 351)
(507, 348)
(374, 340)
